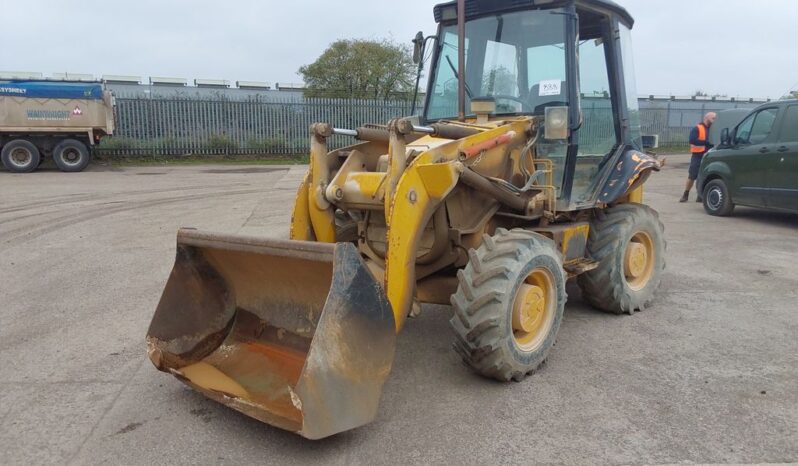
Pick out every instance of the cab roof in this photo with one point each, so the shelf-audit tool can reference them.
(475, 8)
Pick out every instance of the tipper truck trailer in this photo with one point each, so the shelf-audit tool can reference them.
(62, 120)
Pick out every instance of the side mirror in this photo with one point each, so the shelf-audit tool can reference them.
(725, 137)
(418, 47)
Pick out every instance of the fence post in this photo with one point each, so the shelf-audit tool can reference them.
(230, 130)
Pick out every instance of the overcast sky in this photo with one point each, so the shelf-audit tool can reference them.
(734, 47)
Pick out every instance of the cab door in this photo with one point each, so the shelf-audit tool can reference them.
(753, 140)
(782, 172)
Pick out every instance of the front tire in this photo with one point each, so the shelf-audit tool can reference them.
(628, 242)
(71, 155)
(509, 304)
(717, 201)
(20, 156)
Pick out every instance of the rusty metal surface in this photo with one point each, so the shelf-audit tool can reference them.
(632, 169)
(449, 130)
(570, 238)
(296, 334)
(580, 266)
(372, 134)
(480, 183)
(483, 146)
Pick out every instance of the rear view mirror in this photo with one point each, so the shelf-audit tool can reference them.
(418, 47)
(725, 139)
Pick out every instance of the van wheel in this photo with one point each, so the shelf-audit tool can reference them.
(20, 156)
(717, 201)
(71, 155)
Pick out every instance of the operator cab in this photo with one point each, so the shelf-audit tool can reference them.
(567, 63)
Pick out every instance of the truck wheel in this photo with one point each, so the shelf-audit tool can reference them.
(20, 156)
(717, 201)
(628, 242)
(71, 155)
(509, 304)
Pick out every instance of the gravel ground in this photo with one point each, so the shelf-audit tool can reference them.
(708, 374)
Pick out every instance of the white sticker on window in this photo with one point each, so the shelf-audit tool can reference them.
(550, 87)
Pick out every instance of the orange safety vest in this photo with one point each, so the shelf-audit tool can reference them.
(702, 136)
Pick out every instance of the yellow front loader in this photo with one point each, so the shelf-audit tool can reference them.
(490, 210)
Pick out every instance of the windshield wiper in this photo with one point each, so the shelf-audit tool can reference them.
(457, 75)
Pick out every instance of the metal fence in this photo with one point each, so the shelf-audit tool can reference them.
(672, 120)
(185, 126)
(206, 127)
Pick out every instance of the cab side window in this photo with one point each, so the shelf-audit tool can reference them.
(756, 128)
(789, 127)
(597, 136)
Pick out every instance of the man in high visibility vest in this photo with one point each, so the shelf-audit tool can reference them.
(699, 145)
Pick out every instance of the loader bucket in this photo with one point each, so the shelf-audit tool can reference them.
(295, 334)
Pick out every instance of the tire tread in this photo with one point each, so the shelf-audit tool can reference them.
(604, 287)
(478, 302)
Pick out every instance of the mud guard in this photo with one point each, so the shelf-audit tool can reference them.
(629, 172)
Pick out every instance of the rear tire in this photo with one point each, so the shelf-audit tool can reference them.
(71, 155)
(717, 201)
(622, 240)
(20, 156)
(509, 304)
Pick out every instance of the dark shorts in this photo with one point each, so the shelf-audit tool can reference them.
(695, 164)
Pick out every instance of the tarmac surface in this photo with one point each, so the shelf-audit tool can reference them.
(708, 374)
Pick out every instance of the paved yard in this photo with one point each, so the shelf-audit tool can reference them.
(708, 374)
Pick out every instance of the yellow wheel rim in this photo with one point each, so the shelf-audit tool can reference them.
(639, 260)
(534, 309)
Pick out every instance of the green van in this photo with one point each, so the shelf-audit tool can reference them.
(756, 162)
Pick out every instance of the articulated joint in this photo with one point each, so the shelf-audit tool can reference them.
(321, 130)
(401, 126)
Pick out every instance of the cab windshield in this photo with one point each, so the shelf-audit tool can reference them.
(516, 58)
